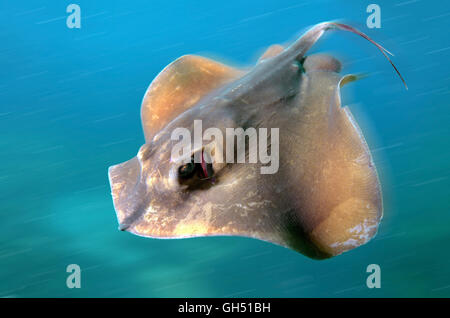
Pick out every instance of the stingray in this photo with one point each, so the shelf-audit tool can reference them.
(325, 197)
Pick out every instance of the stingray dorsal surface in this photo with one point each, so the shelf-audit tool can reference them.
(323, 199)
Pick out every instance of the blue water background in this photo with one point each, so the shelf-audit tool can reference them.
(69, 108)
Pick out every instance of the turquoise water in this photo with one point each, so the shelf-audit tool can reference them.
(69, 109)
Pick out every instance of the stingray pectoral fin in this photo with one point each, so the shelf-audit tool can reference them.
(272, 51)
(354, 220)
(178, 87)
(357, 211)
(339, 194)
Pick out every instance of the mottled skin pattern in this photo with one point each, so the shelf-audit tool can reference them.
(325, 198)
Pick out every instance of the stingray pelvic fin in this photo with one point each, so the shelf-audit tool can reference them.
(178, 87)
(321, 62)
(335, 103)
(351, 78)
(272, 51)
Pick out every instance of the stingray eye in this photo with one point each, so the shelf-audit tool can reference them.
(193, 172)
(205, 168)
(187, 170)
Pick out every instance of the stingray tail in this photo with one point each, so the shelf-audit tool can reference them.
(302, 45)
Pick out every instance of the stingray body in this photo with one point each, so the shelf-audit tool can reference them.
(325, 197)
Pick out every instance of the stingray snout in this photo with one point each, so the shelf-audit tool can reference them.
(128, 191)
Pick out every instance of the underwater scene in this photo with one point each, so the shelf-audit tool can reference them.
(71, 89)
